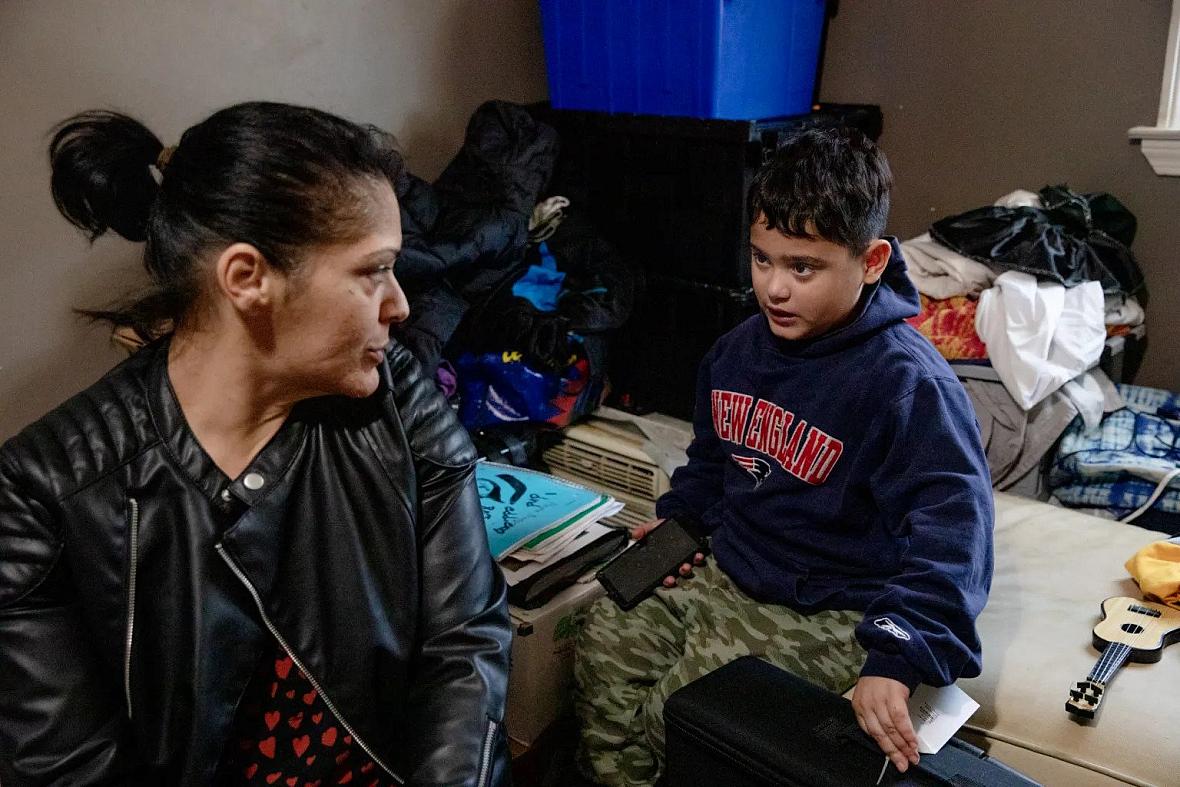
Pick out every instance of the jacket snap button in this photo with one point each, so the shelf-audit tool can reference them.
(253, 481)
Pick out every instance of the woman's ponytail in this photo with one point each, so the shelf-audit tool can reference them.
(102, 175)
(284, 179)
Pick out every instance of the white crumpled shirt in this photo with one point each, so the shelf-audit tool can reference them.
(1040, 335)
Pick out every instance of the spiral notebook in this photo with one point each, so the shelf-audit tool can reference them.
(533, 512)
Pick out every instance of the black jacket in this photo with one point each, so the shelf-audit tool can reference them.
(139, 586)
(464, 235)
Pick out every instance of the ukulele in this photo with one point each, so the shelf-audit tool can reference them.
(1130, 629)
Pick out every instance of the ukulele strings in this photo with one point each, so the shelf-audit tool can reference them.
(1137, 641)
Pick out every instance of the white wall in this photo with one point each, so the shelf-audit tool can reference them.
(415, 67)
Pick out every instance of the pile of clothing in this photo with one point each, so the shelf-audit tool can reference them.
(512, 295)
(1026, 293)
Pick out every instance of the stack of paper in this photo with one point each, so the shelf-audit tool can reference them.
(536, 521)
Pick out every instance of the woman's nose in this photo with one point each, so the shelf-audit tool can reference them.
(394, 308)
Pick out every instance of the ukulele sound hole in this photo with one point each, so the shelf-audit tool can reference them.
(1131, 628)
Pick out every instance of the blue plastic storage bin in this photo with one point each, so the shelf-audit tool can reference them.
(731, 59)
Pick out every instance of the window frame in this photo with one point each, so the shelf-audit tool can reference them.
(1160, 144)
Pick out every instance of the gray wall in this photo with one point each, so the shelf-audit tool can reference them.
(981, 98)
(415, 67)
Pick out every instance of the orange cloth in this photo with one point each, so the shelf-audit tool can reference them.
(1156, 568)
(949, 324)
(1118, 330)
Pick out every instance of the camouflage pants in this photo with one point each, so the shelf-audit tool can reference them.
(628, 663)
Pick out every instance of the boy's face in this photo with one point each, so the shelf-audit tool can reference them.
(807, 287)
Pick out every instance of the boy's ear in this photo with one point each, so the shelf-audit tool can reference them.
(876, 259)
(245, 278)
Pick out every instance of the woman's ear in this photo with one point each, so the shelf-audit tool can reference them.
(876, 259)
(245, 278)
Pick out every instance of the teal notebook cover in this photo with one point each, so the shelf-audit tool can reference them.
(523, 507)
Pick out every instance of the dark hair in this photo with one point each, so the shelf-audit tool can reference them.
(833, 183)
(279, 177)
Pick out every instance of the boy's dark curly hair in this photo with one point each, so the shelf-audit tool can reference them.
(827, 183)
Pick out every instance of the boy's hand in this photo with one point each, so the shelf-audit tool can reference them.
(880, 705)
(641, 531)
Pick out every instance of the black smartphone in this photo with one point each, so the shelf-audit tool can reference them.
(633, 574)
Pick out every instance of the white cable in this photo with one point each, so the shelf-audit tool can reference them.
(1159, 490)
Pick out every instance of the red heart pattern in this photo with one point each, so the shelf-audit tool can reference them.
(278, 693)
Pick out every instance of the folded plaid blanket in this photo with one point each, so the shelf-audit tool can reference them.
(1129, 464)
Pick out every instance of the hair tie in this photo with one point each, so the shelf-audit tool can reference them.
(164, 157)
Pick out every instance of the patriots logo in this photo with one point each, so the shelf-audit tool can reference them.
(759, 468)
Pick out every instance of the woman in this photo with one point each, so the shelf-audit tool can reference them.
(252, 552)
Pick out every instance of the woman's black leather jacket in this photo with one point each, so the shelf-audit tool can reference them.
(139, 586)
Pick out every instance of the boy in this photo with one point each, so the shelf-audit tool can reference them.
(837, 465)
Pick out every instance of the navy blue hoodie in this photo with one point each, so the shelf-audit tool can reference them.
(846, 472)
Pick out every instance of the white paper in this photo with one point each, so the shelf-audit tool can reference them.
(558, 545)
(521, 570)
(937, 714)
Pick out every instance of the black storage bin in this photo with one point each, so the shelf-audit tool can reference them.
(654, 358)
(670, 192)
(1122, 355)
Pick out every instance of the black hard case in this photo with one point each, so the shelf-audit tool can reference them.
(751, 724)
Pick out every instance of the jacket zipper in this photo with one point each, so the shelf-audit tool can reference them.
(311, 679)
(485, 756)
(134, 561)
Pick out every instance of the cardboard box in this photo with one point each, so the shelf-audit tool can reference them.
(540, 686)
